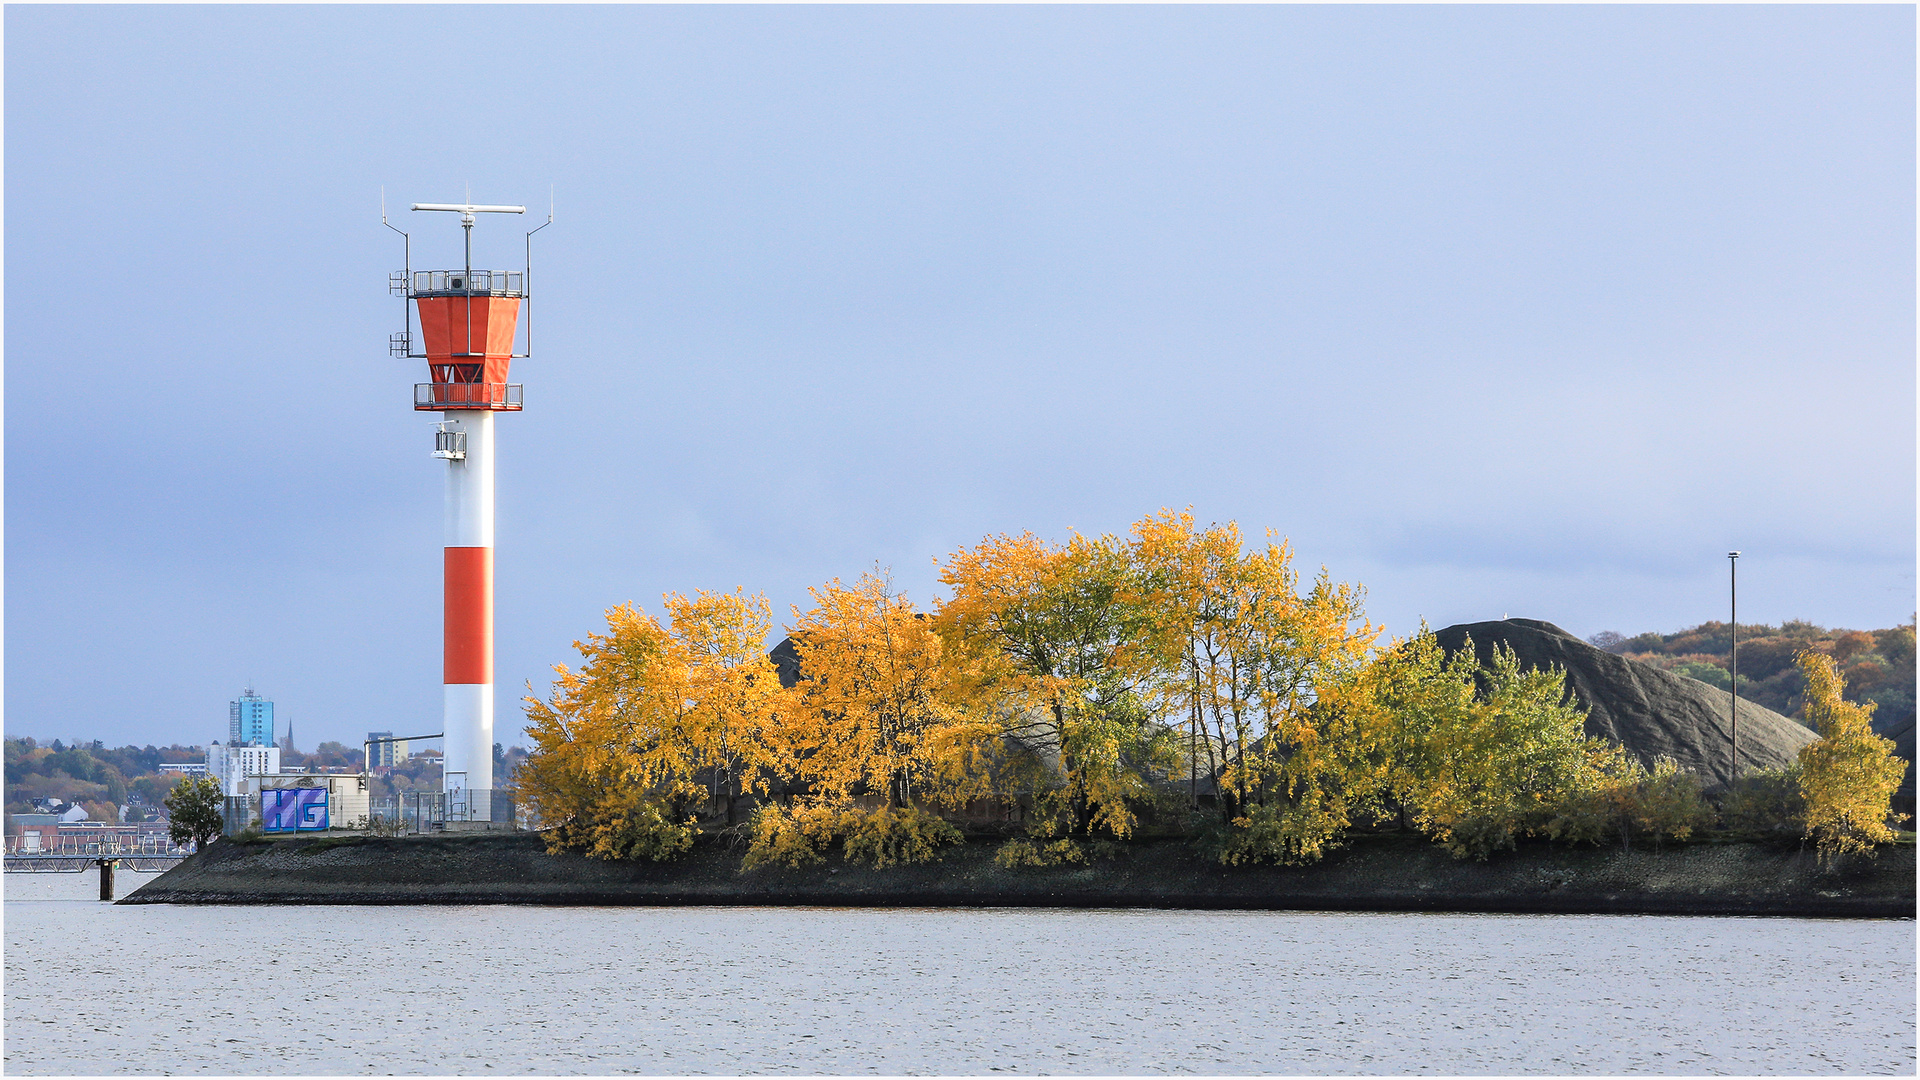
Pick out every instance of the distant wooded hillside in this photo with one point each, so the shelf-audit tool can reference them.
(1878, 664)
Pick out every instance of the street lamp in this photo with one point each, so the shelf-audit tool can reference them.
(1733, 657)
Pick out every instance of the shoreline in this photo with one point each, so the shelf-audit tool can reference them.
(1377, 873)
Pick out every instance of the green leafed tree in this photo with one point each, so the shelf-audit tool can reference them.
(193, 811)
(1478, 756)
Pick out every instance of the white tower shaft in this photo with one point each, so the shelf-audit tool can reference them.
(468, 594)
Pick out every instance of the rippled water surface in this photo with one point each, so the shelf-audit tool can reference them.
(92, 988)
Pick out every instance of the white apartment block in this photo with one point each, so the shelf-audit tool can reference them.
(234, 765)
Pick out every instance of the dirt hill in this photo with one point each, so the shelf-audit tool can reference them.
(1648, 711)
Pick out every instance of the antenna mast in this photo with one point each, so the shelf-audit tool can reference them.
(466, 212)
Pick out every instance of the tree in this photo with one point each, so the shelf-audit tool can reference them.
(152, 788)
(872, 715)
(195, 811)
(1477, 756)
(1245, 655)
(1179, 579)
(1848, 776)
(1045, 651)
(873, 712)
(717, 645)
(623, 745)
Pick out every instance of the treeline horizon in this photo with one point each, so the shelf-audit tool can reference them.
(102, 779)
(1877, 665)
(1099, 686)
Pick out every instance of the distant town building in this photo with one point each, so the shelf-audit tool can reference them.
(384, 754)
(233, 765)
(33, 832)
(250, 721)
(57, 810)
(184, 768)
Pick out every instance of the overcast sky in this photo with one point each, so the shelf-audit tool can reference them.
(1499, 311)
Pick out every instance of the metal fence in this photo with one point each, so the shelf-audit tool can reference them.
(239, 812)
(409, 813)
(413, 812)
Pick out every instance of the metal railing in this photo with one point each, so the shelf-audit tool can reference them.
(57, 863)
(409, 812)
(469, 283)
(505, 397)
(71, 845)
(413, 812)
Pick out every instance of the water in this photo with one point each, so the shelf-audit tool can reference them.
(94, 989)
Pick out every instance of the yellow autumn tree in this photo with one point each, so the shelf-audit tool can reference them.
(655, 721)
(1848, 776)
(1046, 654)
(870, 720)
(719, 640)
(1179, 580)
(872, 713)
(1245, 656)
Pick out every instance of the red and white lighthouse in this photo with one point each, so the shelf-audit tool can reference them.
(469, 324)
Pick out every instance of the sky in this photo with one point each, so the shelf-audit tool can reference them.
(1528, 311)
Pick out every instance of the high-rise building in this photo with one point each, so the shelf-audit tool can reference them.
(236, 767)
(250, 720)
(384, 754)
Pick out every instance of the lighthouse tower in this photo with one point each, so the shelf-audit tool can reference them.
(468, 332)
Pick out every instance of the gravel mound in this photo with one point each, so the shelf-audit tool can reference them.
(1650, 712)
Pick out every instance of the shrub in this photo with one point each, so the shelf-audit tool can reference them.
(1039, 852)
(632, 824)
(1287, 833)
(790, 836)
(1667, 803)
(1590, 815)
(887, 836)
(1622, 798)
(799, 835)
(1768, 800)
(1480, 835)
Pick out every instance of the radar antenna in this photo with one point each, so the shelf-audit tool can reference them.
(466, 212)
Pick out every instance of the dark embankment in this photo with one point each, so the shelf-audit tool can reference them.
(1378, 873)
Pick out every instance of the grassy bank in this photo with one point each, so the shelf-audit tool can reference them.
(1388, 872)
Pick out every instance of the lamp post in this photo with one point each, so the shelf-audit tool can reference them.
(1733, 657)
